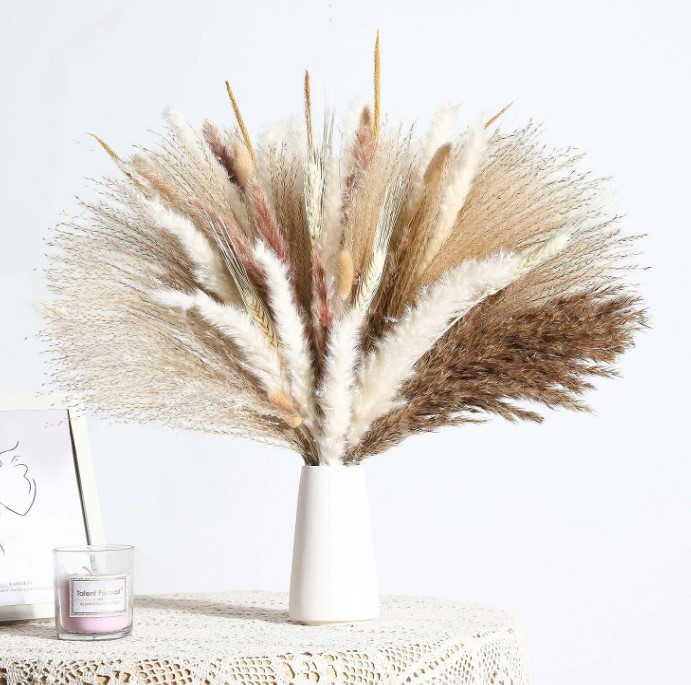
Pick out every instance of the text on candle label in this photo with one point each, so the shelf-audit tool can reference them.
(98, 595)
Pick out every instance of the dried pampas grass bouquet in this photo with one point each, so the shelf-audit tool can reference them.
(334, 290)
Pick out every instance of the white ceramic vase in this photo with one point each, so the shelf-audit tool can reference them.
(334, 578)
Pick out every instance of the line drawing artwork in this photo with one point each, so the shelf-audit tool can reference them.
(17, 487)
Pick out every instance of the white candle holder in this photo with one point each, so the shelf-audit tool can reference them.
(93, 591)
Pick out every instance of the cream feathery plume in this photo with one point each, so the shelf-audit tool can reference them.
(336, 389)
(314, 208)
(196, 146)
(259, 357)
(314, 195)
(374, 268)
(439, 133)
(459, 186)
(392, 362)
(290, 328)
(184, 134)
(316, 164)
(332, 228)
(209, 268)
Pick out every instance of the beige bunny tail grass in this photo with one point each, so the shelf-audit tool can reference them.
(345, 274)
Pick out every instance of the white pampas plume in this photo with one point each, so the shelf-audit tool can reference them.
(258, 357)
(314, 192)
(194, 143)
(387, 367)
(459, 185)
(186, 136)
(209, 269)
(323, 200)
(290, 329)
(374, 269)
(332, 229)
(336, 389)
(439, 133)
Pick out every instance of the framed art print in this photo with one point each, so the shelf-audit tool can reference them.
(48, 499)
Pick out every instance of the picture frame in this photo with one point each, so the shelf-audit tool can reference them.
(48, 498)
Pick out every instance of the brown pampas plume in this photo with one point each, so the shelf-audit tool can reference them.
(334, 289)
(489, 364)
(321, 309)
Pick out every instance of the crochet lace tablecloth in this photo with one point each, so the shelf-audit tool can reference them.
(246, 638)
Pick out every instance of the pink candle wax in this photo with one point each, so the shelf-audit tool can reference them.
(94, 604)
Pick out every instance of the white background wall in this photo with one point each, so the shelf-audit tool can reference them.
(582, 526)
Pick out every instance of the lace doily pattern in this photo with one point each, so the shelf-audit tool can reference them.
(247, 639)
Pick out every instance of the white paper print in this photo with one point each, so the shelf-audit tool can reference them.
(40, 502)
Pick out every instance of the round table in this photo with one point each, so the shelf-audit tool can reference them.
(247, 638)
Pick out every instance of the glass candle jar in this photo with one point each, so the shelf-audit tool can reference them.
(93, 591)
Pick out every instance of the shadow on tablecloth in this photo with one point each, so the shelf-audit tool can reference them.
(210, 608)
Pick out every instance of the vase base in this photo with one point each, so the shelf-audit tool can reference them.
(335, 622)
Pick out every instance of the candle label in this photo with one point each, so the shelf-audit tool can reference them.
(98, 596)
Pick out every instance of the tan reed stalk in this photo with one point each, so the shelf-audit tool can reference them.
(308, 112)
(114, 155)
(240, 120)
(498, 115)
